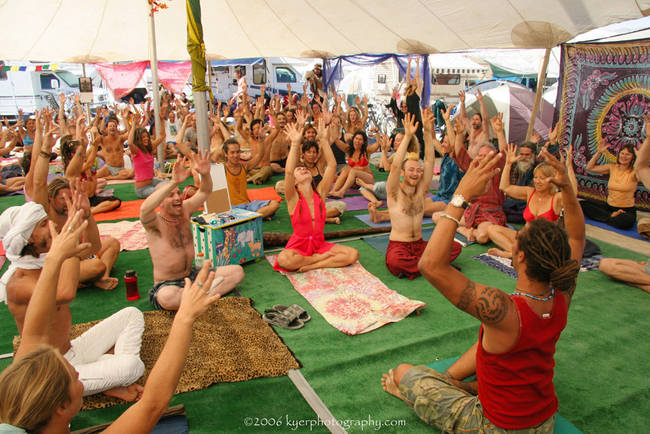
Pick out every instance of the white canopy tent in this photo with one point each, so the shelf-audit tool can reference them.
(90, 31)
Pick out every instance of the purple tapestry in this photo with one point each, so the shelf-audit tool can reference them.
(603, 93)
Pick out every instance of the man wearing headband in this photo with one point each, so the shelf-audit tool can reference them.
(406, 201)
(27, 238)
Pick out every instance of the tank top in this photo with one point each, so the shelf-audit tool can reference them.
(516, 388)
(142, 166)
(237, 187)
(548, 215)
(621, 187)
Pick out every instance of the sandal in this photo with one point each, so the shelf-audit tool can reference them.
(279, 319)
(293, 311)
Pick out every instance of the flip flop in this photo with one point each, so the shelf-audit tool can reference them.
(293, 311)
(279, 319)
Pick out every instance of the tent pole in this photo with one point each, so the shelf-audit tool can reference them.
(202, 121)
(87, 106)
(541, 79)
(154, 84)
(210, 103)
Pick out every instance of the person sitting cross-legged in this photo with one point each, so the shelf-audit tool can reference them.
(307, 248)
(513, 358)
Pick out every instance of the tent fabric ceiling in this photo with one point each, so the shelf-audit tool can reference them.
(89, 31)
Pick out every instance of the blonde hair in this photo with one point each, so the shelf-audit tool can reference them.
(548, 171)
(32, 388)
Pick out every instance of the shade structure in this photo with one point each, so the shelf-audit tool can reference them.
(90, 31)
(516, 104)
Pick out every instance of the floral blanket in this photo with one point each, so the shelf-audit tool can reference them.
(350, 298)
(130, 234)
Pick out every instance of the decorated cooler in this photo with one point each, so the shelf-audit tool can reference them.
(231, 237)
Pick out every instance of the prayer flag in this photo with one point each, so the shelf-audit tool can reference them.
(39, 67)
(121, 79)
(195, 46)
(174, 75)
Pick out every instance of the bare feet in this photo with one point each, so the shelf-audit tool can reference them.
(335, 194)
(500, 253)
(617, 213)
(106, 283)
(467, 232)
(129, 393)
(372, 210)
(388, 383)
(335, 220)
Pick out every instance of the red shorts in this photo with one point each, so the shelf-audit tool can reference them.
(402, 257)
(477, 214)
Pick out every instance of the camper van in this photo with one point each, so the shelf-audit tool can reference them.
(274, 72)
(31, 90)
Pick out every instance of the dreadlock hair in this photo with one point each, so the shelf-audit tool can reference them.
(548, 254)
(56, 185)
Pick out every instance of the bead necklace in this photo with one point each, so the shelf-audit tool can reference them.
(176, 220)
(534, 297)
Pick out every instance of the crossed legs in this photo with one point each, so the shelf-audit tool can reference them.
(627, 270)
(337, 256)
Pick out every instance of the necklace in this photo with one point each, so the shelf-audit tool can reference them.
(534, 297)
(176, 220)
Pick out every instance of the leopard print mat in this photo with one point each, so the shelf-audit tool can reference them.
(230, 343)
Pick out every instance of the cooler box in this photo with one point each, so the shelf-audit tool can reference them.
(234, 237)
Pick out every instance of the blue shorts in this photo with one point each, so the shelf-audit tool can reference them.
(253, 205)
(437, 198)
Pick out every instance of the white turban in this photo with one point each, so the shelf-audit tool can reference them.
(16, 226)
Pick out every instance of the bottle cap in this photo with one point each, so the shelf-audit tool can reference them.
(130, 273)
(201, 254)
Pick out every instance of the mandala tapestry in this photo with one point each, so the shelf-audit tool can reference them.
(603, 93)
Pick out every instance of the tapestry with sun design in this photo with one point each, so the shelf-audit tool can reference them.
(603, 93)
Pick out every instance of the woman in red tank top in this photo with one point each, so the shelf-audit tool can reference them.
(542, 201)
(358, 165)
(307, 248)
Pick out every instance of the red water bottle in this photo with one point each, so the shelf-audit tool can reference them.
(131, 281)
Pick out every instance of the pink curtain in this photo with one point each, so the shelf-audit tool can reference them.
(174, 75)
(121, 78)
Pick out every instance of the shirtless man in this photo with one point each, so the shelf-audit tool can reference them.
(53, 198)
(27, 236)
(406, 201)
(279, 143)
(478, 126)
(169, 236)
(112, 153)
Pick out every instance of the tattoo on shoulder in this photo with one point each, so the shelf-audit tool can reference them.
(466, 297)
(491, 306)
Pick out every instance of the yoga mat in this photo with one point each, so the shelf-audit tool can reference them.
(230, 343)
(633, 233)
(173, 421)
(350, 298)
(366, 219)
(266, 193)
(504, 265)
(562, 426)
(127, 210)
(354, 203)
(130, 234)
(380, 242)
(119, 181)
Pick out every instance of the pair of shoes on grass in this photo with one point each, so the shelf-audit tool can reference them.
(288, 317)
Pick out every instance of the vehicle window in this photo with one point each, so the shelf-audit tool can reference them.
(71, 79)
(284, 75)
(46, 81)
(445, 79)
(259, 73)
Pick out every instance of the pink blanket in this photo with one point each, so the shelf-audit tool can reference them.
(350, 298)
(130, 234)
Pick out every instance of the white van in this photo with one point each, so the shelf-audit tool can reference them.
(35, 90)
(274, 72)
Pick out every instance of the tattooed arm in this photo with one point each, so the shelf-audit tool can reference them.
(490, 305)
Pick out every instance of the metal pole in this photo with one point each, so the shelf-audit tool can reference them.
(202, 121)
(210, 102)
(87, 106)
(156, 92)
(541, 78)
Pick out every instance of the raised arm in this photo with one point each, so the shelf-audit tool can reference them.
(499, 130)
(142, 416)
(326, 151)
(459, 141)
(410, 127)
(429, 154)
(41, 168)
(484, 115)
(364, 111)
(463, 111)
(643, 156)
(449, 128)
(200, 164)
(294, 132)
(591, 165)
(514, 191)
(42, 304)
(63, 127)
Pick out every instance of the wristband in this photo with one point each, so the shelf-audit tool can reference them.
(453, 219)
(45, 154)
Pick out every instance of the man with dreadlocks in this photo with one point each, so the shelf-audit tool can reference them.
(513, 358)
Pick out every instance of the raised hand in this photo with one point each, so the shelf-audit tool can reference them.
(511, 155)
(179, 172)
(79, 197)
(201, 163)
(365, 99)
(497, 123)
(294, 133)
(427, 120)
(66, 244)
(322, 131)
(461, 96)
(602, 147)
(410, 125)
(535, 137)
(62, 99)
(561, 178)
(198, 296)
(301, 118)
(447, 113)
(479, 95)
(553, 133)
(646, 117)
(357, 101)
(475, 181)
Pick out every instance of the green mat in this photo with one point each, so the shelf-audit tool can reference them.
(562, 426)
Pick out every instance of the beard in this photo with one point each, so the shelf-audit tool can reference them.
(524, 166)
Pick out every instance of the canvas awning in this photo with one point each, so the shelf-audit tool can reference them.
(90, 31)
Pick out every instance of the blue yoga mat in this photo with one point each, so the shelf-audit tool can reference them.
(562, 426)
(632, 233)
(380, 242)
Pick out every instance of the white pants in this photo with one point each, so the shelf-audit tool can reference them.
(99, 371)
